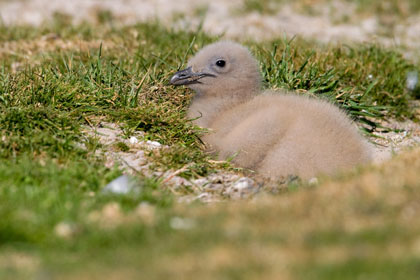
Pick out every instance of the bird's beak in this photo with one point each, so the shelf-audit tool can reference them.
(187, 77)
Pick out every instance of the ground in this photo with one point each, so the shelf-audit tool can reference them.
(84, 100)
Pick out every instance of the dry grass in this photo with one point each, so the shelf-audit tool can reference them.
(359, 224)
(26, 50)
(369, 215)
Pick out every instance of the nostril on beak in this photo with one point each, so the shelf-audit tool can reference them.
(182, 77)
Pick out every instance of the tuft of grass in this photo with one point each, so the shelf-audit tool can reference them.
(368, 81)
(121, 146)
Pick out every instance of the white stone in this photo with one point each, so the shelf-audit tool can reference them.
(64, 230)
(313, 181)
(242, 188)
(412, 80)
(181, 223)
(121, 185)
(153, 144)
(133, 140)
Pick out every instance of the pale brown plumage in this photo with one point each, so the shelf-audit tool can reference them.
(273, 132)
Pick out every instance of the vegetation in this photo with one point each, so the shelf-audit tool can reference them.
(391, 8)
(57, 79)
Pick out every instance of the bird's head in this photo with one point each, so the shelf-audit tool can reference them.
(221, 69)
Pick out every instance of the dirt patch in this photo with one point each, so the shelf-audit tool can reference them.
(47, 43)
(134, 160)
(403, 136)
(32, 51)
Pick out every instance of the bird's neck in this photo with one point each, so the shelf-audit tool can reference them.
(204, 109)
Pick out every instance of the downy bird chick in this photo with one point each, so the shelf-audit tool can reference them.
(275, 133)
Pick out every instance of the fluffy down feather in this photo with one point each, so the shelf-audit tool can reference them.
(276, 133)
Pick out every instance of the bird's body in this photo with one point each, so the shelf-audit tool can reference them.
(274, 133)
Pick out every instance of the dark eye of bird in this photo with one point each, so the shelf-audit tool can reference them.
(221, 63)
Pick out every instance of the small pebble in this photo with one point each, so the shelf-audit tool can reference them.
(64, 230)
(112, 211)
(122, 185)
(313, 181)
(207, 198)
(108, 217)
(412, 80)
(242, 188)
(146, 212)
(201, 182)
(214, 187)
(133, 140)
(153, 144)
(181, 223)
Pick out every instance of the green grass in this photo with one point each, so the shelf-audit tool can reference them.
(365, 80)
(365, 269)
(52, 173)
